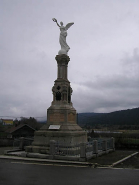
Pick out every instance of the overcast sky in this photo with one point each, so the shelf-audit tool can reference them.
(104, 55)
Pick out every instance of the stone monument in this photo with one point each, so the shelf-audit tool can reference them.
(61, 115)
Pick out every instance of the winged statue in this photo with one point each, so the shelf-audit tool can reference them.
(62, 38)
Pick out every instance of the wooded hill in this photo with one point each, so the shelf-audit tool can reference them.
(122, 117)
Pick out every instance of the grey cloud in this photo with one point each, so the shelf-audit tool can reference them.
(100, 79)
(107, 93)
(131, 60)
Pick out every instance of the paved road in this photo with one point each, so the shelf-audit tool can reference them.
(25, 173)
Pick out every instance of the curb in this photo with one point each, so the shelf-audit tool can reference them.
(47, 161)
(114, 164)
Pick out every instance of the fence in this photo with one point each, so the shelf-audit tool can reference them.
(66, 150)
(82, 151)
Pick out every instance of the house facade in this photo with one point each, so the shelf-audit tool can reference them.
(7, 121)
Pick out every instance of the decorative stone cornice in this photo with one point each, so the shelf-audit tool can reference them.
(62, 59)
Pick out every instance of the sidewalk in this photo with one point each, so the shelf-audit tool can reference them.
(45, 161)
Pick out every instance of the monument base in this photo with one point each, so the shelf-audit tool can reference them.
(42, 140)
(61, 127)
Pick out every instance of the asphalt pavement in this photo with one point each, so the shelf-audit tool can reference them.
(13, 172)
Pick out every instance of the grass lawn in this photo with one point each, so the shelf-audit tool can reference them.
(132, 162)
(112, 157)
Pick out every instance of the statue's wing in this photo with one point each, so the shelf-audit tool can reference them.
(69, 25)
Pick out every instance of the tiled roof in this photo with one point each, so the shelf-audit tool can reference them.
(13, 129)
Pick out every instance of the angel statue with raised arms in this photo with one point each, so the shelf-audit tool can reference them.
(63, 34)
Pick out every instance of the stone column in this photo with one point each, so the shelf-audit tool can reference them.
(95, 147)
(62, 62)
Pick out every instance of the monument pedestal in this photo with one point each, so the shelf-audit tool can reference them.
(61, 116)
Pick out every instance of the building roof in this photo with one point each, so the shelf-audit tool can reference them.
(13, 129)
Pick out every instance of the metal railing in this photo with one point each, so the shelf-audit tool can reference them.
(89, 149)
(109, 144)
(85, 149)
(82, 151)
(100, 145)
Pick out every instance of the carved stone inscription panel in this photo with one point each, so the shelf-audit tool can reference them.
(56, 117)
(71, 117)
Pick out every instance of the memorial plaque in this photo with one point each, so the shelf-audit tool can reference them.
(54, 127)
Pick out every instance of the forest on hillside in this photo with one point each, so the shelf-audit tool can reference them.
(124, 118)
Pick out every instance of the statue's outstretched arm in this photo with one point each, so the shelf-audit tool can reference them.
(56, 22)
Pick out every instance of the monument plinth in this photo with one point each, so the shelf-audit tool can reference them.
(61, 115)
